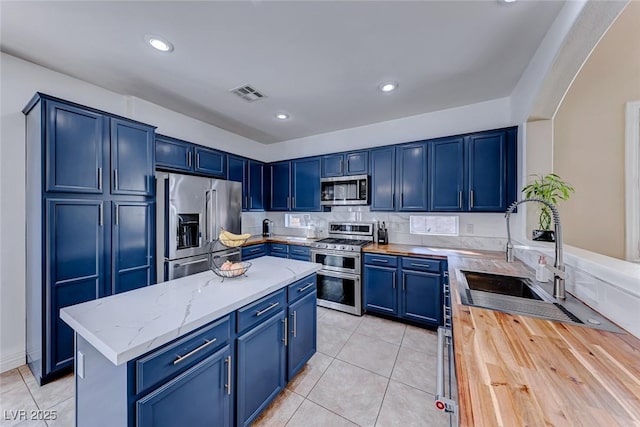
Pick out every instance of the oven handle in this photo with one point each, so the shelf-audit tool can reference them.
(339, 275)
(345, 254)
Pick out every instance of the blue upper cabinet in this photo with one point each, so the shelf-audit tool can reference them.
(173, 154)
(210, 162)
(491, 170)
(352, 163)
(237, 171)
(280, 199)
(412, 177)
(132, 158)
(132, 247)
(446, 172)
(75, 142)
(305, 184)
(255, 184)
(383, 166)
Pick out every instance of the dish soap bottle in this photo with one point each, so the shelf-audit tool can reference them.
(541, 270)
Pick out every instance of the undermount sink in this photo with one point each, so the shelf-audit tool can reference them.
(521, 295)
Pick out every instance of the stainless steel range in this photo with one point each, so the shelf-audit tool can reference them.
(339, 280)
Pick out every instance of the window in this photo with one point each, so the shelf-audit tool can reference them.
(632, 177)
(297, 220)
(443, 225)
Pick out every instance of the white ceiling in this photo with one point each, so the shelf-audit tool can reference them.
(319, 61)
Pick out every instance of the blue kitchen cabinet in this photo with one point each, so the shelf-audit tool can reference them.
(210, 162)
(341, 164)
(76, 267)
(305, 184)
(174, 154)
(280, 178)
(132, 158)
(446, 175)
(255, 187)
(302, 333)
(412, 177)
(280, 250)
(237, 171)
(380, 289)
(383, 178)
(75, 141)
(421, 296)
(261, 367)
(301, 253)
(254, 251)
(489, 178)
(133, 255)
(198, 397)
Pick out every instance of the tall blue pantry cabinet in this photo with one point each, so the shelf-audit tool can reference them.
(90, 212)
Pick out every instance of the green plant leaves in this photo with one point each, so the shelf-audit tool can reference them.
(550, 188)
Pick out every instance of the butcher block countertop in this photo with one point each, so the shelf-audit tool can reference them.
(515, 370)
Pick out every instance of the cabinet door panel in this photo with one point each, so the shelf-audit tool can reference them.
(332, 165)
(380, 289)
(421, 297)
(412, 177)
(132, 158)
(75, 242)
(261, 368)
(132, 245)
(305, 185)
(211, 162)
(237, 171)
(382, 191)
(75, 139)
(446, 169)
(280, 196)
(256, 186)
(173, 154)
(196, 398)
(302, 333)
(487, 172)
(357, 163)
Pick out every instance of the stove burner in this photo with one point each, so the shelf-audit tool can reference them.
(352, 242)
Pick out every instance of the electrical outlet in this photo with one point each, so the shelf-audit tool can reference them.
(470, 228)
(80, 365)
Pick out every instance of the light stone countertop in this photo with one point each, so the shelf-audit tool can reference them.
(125, 326)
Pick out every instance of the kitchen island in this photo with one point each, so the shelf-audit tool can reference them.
(142, 354)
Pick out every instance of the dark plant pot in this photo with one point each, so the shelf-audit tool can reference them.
(544, 236)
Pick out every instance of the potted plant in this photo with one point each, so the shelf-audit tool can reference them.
(550, 188)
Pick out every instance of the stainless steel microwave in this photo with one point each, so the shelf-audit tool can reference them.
(344, 190)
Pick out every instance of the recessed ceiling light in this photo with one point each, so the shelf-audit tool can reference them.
(507, 1)
(159, 43)
(282, 116)
(388, 86)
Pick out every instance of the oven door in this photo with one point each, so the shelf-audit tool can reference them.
(344, 262)
(340, 291)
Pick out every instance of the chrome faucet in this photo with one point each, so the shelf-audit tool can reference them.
(558, 264)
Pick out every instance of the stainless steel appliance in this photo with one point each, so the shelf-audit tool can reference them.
(446, 397)
(344, 190)
(340, 280)
(266, 227)
(191, 212)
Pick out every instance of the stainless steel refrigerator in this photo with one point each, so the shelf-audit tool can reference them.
(192, 211)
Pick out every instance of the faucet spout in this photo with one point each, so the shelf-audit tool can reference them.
(558, 264)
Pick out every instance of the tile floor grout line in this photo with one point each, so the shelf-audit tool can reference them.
(28, 389)
(382, 403)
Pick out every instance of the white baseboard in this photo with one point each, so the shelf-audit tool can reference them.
(12, 361)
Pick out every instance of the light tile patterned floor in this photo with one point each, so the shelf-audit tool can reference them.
(368, 371)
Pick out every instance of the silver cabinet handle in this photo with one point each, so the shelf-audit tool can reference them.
(277, 248)
(379, 260)
(115, 179)
(306, 287)
(295, 324)
(189, 158)
(285, 332)
(99, 178)
(198, 160)
(293, 203)
(228, 384)
(194, 351)
(101, 216)
(393, 282)
(250, 202)
(117, 218)
(261, 312)
(341, 169)
(288, 202)
(255, 250)
(471, 199)
(413, 264)
(348, 160)
(460, 199)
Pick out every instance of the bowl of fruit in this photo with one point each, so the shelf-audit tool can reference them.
(232, 240)
(230, 268)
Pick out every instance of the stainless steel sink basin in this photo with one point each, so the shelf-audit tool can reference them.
(525, 296)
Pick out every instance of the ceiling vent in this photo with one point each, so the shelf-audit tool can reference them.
(248, 93)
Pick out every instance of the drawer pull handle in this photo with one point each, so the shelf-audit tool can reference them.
(306, 287)
(255, 250)
(261, 312)
(194, 351)
(277, 249)
(228, 384)
(286, 328)
(379, 260)
(414, 264)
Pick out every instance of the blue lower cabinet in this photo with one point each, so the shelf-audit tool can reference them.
(301, 253)
(261, 367)
(280, 250)
(198, 397)
(380, 289)
(302, 333)
(253, 251)
(421, 297)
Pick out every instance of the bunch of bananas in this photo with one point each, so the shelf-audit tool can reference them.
(232, 240)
